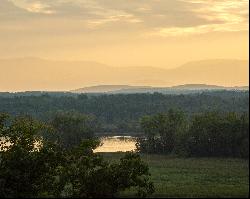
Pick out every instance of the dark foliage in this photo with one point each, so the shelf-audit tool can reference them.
(121, 112)
(207, 134)
(72, 127)
(30, 166)
(215, 134)
(161, 132)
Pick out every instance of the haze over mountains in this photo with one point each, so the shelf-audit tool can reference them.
(180, 89)
(39, 74)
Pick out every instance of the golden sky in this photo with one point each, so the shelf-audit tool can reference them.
(161, 33)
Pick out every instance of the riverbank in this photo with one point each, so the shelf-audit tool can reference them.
(194, 177)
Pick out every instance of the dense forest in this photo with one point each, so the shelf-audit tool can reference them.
(120, 113)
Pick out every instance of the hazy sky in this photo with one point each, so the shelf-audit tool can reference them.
(162, 33)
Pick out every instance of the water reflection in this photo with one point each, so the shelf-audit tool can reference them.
(117, 144)
(109, 144)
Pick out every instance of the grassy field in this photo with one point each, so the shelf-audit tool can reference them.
(195, 177)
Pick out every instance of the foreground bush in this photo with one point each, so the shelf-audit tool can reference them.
(31, 166)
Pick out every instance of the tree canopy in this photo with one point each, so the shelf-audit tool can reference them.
(31, 166)
(120, 113)
(206, 134)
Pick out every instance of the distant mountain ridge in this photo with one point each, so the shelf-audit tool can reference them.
(29, 74)
(206, 86)
(146, 89)
(106, 88)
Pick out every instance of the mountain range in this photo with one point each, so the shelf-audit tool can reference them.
(22, 74)
(187, 88)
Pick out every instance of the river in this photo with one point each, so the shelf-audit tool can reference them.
(108, 144)
(116, 144)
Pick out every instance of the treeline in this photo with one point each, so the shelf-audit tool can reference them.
(56, 160)
(120, 113)
(208, 134)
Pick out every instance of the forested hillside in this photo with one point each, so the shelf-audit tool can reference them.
(120, 113)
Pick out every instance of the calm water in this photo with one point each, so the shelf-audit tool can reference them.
(109, 144)
(116, 144)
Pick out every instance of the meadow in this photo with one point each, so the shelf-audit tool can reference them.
(194, 177)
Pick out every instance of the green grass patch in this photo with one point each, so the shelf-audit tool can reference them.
(194, 177)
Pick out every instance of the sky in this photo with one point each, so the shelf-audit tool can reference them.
(160, 33)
